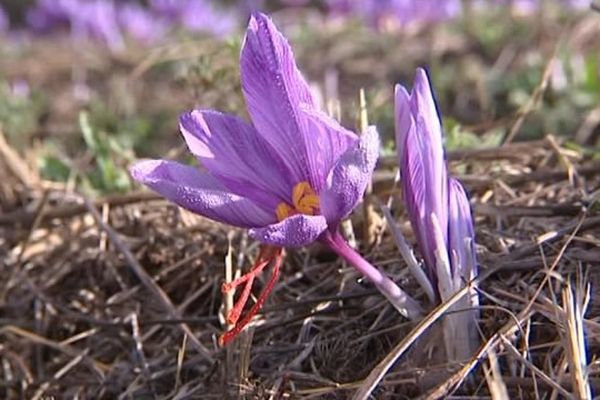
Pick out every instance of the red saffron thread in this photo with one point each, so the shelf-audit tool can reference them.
(265, 257)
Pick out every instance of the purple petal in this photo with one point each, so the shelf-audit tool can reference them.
(233, 151)
(347, 182)
(295, 231)
(426, 117)
(329, 141)
(464, 265)
(460, 232)
(402, 117)
(274, 90)
(199, 193)
(423, 170)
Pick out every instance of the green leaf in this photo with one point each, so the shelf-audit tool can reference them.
(52, 168)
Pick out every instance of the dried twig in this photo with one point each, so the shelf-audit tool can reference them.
(145, 278)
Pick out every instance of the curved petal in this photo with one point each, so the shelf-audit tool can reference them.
(423, 170)
(402, 118)
(199, 193)
(429, 130)
(232, 150)
(461, 234)
(348, 180)
(329, 140)
(295, 231)
(274, 89)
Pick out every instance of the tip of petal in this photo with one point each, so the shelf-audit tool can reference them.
(425, 110)
(403, 118)
(421, 76)
(370, 142)
(142, 170)
(256, 19)
(422, 86)
(257, 15)
(400, 93)
(456, 188)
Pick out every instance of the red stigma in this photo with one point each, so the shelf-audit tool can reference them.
(267, 255)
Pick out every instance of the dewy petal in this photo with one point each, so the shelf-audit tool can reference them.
(329, 142)
(199, 193)
(274, 89)
(461, 235)
(348, 180)
(232, 150)
(295, 231)
(423, 170)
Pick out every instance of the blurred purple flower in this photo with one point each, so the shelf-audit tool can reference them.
(527, 7)
(437, 207)
(98, 19)
(195, 15)
(140, 24)
(407, 11)
(4, 21)
(170, 9)
(295, 3)
(404, 12)
(20, 88)
(290, 177)
(381, 13)
(47, 15)
(579, 4)
(91, 19)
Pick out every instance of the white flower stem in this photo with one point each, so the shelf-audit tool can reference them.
(408, 255)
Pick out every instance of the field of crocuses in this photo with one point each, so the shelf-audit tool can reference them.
(303, 199)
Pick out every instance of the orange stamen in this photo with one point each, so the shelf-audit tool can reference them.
(284, 210)
(305, 200)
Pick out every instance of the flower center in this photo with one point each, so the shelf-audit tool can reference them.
(305, 199)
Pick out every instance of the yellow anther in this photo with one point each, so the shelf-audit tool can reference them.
(305, 200)
(301, 190)
(283, 211)
(308, 204)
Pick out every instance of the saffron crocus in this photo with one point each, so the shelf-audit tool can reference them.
(290, 176)
(438, 210)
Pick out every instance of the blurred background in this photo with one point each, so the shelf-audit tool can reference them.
(86, 86)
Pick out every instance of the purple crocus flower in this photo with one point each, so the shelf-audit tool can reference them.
(4, 21)
(438, 209)
(290, 177)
